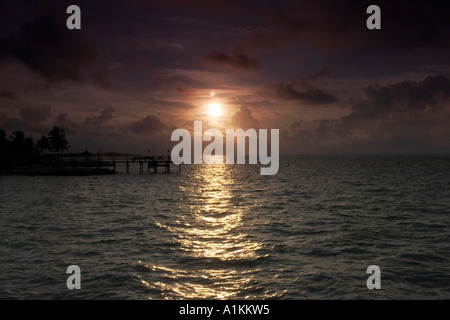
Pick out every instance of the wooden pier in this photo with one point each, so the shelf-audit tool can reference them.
(152, 163)
(89, 161)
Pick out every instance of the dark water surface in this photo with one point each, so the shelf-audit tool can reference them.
(226, 232)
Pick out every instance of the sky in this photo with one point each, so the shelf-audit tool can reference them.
(137, 70)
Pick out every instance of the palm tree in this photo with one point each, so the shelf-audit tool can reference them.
(18, 137)
(17, 148)
(43, 144)
(57, 140)
(28, 150)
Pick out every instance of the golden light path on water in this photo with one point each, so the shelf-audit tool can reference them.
(209, 232)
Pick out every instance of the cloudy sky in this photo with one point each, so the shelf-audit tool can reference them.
(139, 69)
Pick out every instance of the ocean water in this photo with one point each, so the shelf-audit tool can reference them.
(226, 232)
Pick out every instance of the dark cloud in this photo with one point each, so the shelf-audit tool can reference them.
(36, 114)
(149, 124)
(337, 25)
(102, 79)
(48, 48)
(38, 85)
(406, 98)
(315, 76)
(64, 121)
(31, 120)
(398, 117)
(256, 103)
(93, 132)
(8, 94)
(98, 121)
(92, 127)
(301, 89)
(288, 90)
(8, 123)
(243, 119)
(236, 61)
(295, 126)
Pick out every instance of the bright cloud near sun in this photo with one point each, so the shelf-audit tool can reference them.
(214, 109)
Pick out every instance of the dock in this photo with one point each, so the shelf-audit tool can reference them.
(151, 164)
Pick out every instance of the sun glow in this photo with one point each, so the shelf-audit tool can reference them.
(214, 109)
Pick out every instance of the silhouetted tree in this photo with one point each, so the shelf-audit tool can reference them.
(57, 140)
(16, 151)
(28, 150)
(43, 144)
(20, 149)
(18, 138)
(15, 148)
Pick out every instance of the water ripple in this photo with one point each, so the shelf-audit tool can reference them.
(225, 232)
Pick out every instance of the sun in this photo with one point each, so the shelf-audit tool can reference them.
(214, 109)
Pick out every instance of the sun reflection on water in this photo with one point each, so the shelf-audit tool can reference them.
(201, 284)
(212, 246)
